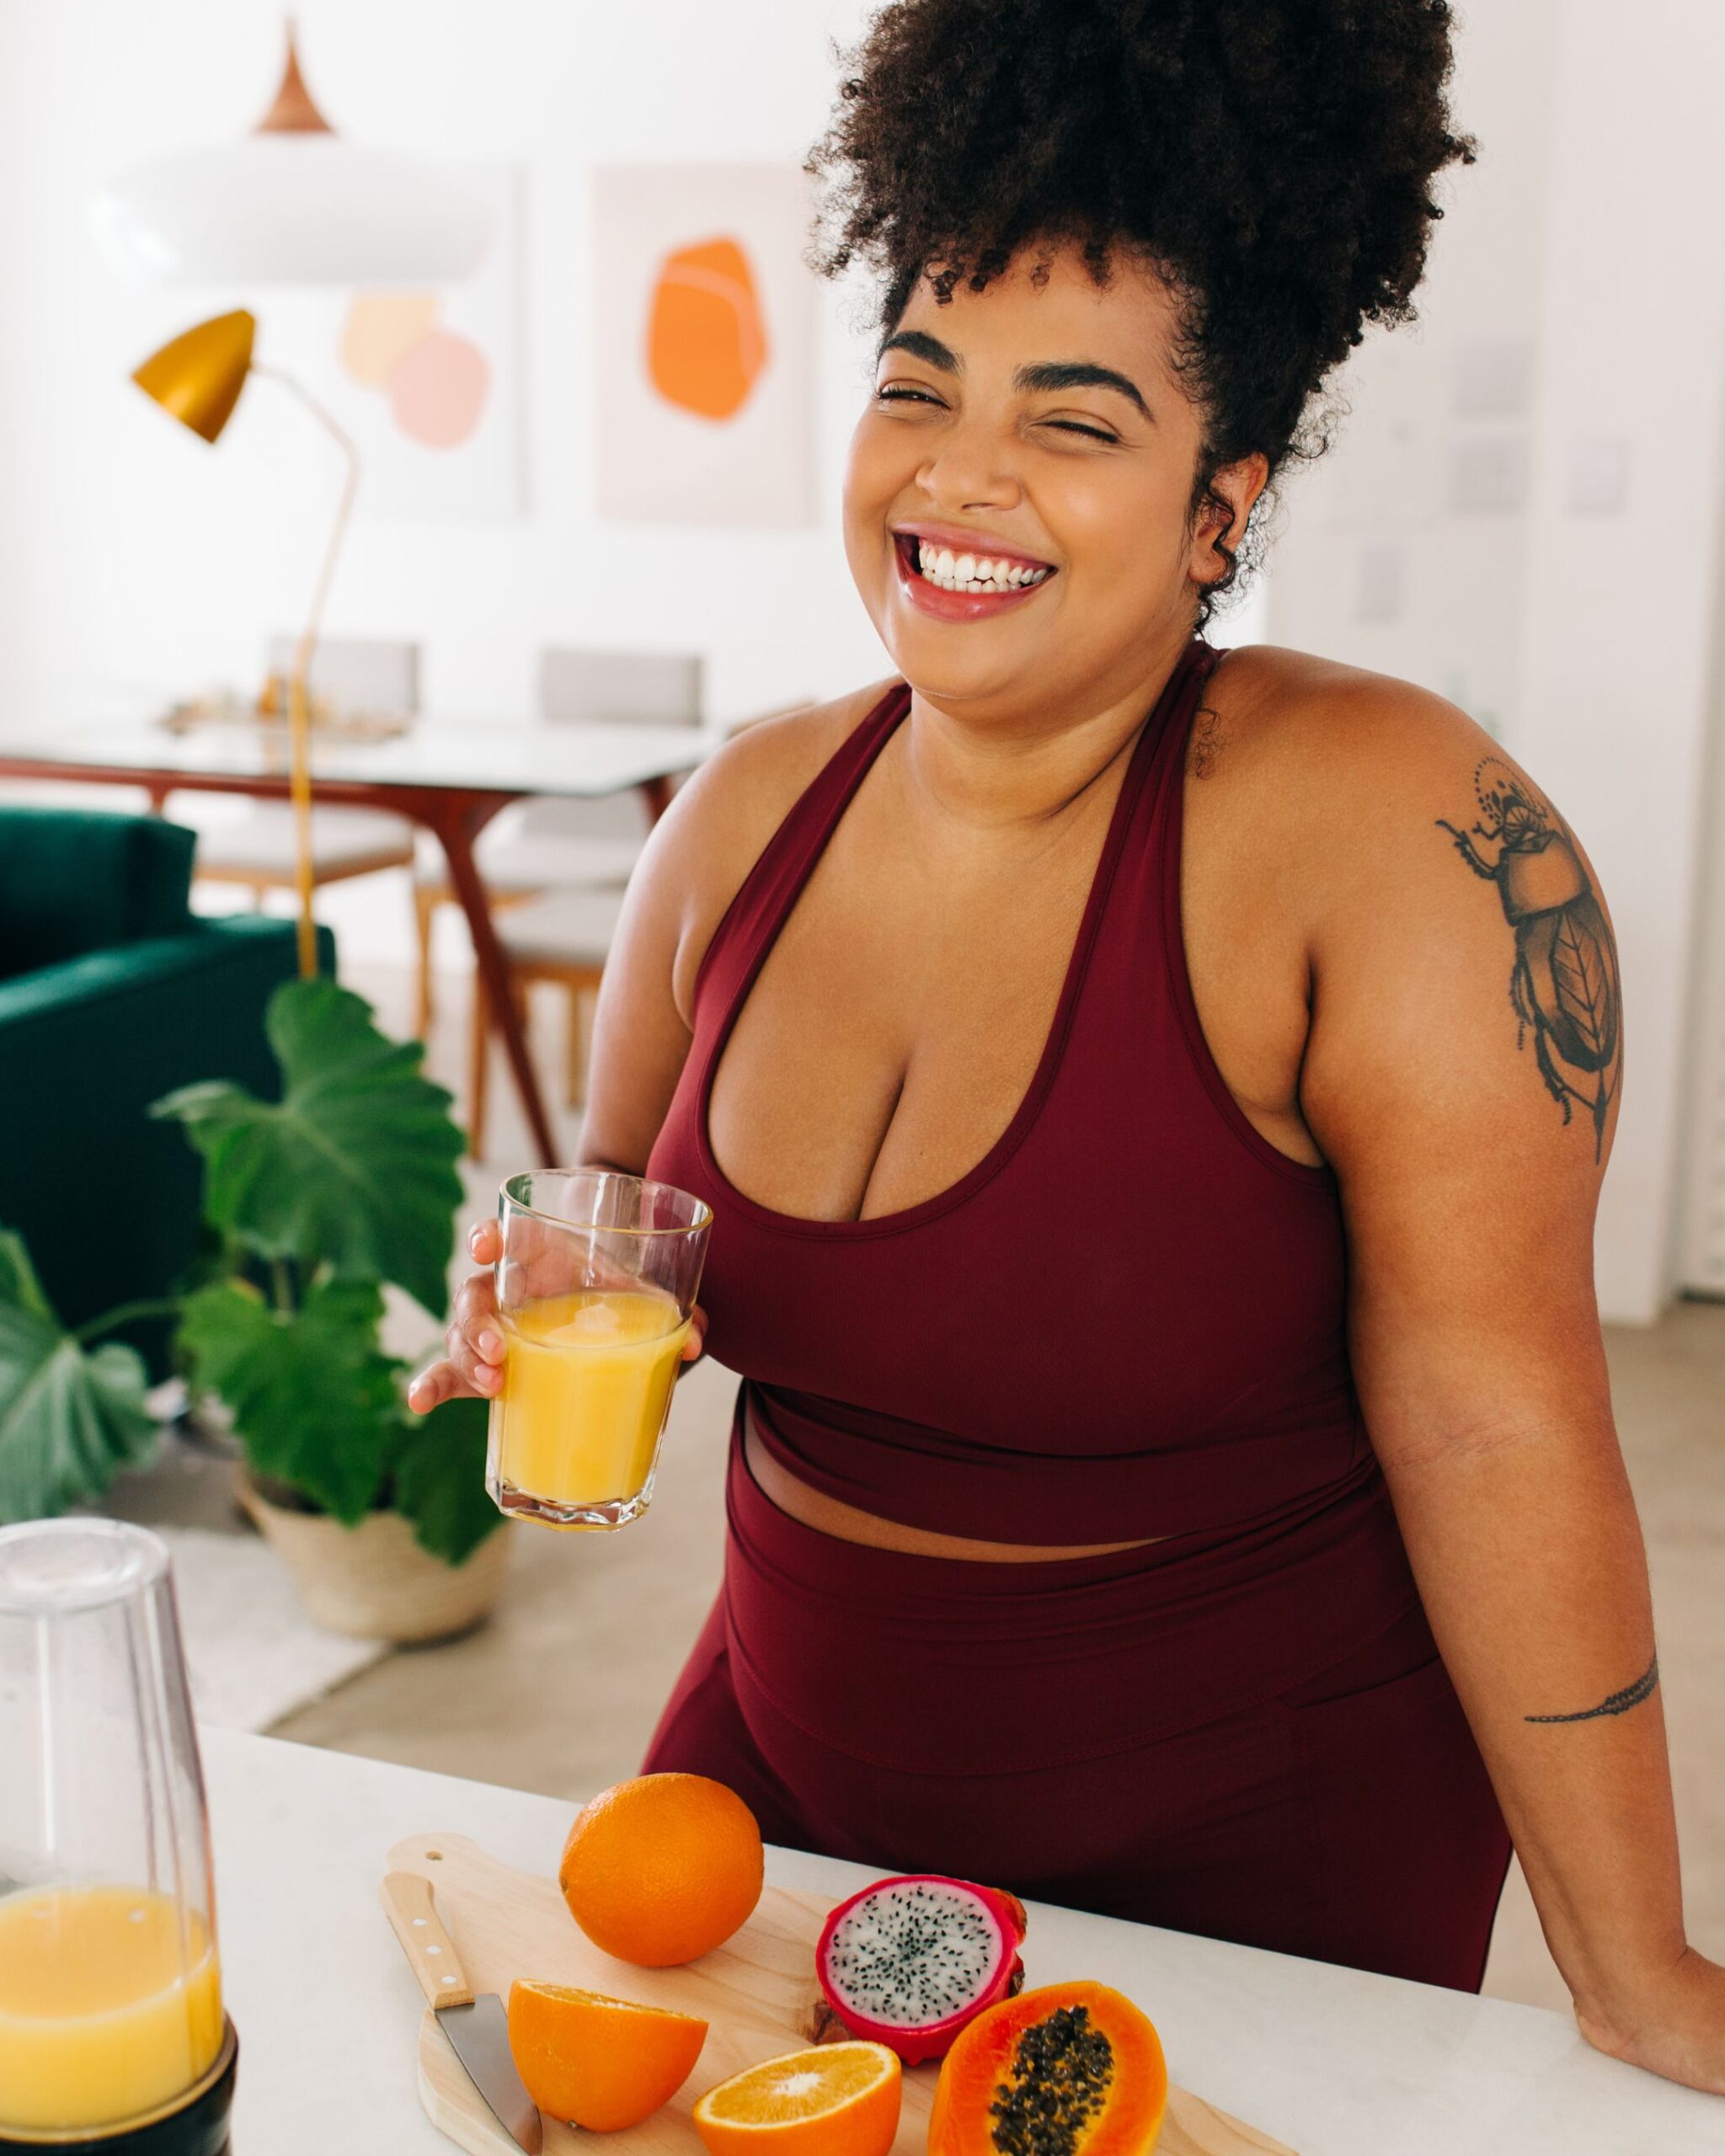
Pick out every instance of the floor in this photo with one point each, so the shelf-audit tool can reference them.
(559, 1692)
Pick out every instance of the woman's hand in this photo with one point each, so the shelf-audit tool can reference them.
(1674, 2026)
(472, 1367)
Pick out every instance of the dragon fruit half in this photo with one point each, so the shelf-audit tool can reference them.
(908, 1962)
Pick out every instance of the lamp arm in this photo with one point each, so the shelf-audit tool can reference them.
(298, 701)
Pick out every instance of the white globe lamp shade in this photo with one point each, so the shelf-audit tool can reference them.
(300, 209)
(293, 203)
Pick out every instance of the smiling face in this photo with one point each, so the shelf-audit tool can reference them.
(1016, 503)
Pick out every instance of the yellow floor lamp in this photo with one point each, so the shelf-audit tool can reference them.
(198, 377)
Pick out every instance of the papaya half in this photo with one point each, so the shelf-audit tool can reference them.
(1065, 2070)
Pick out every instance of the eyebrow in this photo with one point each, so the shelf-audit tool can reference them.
(1047, 375)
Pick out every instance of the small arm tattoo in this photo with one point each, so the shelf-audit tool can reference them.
(1563, 986)
(1616, 1703)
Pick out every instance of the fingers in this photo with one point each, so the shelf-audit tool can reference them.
(435, 1385)
(695, 1345)
(485, 1242)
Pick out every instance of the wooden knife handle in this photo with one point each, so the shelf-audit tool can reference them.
(413, 1915)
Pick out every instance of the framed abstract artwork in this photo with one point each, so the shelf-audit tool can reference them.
(427, 382)
(703, 320)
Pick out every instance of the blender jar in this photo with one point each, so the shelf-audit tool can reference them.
(112, 2032)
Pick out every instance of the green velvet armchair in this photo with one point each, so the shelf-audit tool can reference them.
(112, 993)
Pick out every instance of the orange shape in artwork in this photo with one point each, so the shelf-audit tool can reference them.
(437, 390)
(706, 336)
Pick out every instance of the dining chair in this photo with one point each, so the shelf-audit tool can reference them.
(560, 935)
(552, 841)
(256, 850)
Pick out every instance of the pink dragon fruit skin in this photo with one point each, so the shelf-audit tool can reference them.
(946, 1947)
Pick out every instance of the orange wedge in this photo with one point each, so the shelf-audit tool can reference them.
(834, 2099)
(600, 2062)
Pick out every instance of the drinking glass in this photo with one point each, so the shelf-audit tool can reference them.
(112, 2033)
(595, 1290)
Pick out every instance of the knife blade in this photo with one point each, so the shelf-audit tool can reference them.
(478, 2028)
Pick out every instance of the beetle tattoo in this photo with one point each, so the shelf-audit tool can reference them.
(1563, 985)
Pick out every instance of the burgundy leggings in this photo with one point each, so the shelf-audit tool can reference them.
(935, 1714)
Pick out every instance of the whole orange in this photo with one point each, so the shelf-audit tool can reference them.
(662, 1869)
(603, 2063)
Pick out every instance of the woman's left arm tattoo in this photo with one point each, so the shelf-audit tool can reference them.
(1614, 1703)
(1563, 986)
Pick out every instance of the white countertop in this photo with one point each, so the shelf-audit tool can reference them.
(1333, 2063)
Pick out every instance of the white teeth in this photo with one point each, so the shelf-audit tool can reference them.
(939, 565)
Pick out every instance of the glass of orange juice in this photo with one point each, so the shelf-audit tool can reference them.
(112, 2032)
(596, 1288)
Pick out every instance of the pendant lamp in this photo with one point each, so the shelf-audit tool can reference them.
(292, 203)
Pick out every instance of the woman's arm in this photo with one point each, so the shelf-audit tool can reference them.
(1462, 1076)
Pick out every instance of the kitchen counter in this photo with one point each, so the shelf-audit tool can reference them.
(1334, 2063)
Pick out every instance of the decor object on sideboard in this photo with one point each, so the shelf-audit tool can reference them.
(314, 1203)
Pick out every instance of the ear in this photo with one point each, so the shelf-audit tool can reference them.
(1238, 486)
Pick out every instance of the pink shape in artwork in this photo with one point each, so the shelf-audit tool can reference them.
(437, 390)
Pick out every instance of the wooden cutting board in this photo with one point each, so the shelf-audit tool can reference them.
(755, 1994)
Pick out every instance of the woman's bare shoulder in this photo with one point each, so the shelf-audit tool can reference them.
(1282, 718)
(733, 803)
(1332, 785)
(721, 820)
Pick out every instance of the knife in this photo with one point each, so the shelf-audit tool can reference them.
(478, 2028)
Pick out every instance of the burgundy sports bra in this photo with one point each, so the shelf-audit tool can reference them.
(1126, 1320)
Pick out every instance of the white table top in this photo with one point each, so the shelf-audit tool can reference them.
(1334, 2063)
(517, 756)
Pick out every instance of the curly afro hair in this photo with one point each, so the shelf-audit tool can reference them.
(1272, 160)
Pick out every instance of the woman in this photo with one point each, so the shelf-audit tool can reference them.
(1154, 1173)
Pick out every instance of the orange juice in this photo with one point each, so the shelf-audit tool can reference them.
(105, 2009)
(586, 1386)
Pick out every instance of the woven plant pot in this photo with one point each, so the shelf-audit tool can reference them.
(373, 1581)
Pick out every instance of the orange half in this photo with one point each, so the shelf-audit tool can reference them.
(833, 2100)
(599, 2062)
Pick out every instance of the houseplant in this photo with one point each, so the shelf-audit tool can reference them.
(312, 1204)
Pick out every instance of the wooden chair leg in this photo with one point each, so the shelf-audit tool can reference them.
(582, 987)
(574, 1059)
(478, 1060)
(425, 901)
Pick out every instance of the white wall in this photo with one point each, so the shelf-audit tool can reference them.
(1594, 229)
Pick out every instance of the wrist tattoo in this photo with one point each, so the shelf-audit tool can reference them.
(1563, 984)
(1616, 1703)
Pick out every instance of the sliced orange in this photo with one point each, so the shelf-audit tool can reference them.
(600, 2062)
(833, 2100)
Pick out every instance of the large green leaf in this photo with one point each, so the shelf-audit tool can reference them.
(354, 1167)
(313, 1399)
(440, 1479)
(68, 1418)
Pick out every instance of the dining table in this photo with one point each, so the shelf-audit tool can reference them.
(450, 776)
(1327, 2061)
